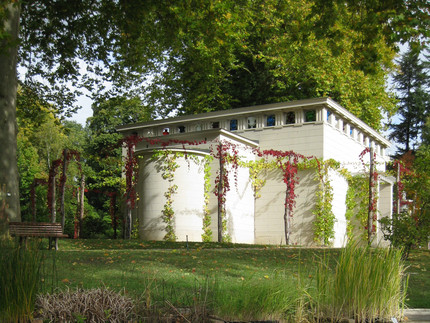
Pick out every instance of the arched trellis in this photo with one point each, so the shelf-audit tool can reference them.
(66, 157)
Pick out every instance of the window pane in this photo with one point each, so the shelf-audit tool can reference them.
(252, 122)
(271, 120)
(233, 124)
(290, 117)
(310, 115)
(181, 129)
(215, 125)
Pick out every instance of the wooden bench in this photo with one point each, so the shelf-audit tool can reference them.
(37, 229)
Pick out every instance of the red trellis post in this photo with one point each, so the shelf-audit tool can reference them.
(371, 204)
(221, 205)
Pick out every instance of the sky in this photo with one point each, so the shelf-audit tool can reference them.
(84, 113)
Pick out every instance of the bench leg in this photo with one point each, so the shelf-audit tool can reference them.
(56, 243)
(21, 239)
(49, 243)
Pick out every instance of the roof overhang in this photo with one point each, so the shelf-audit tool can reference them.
(291, 105)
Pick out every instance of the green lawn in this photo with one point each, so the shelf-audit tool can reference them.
(170, 271)
(419, 279)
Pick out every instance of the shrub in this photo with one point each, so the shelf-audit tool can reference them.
(93, 305)
(94, 227)
(405, 231)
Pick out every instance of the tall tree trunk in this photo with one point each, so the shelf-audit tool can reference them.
(76, 224)
(82, 205)
(53, 200)
(287, 224)
(113, 215)
(8, 127)
(63, 188)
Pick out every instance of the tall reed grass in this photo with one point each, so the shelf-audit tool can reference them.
(20, 280)
(275, 299)
(366, 284)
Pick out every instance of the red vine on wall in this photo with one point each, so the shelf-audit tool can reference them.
(131, 164)
(227, 153)
(287, 162)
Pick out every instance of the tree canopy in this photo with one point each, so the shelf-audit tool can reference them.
(412, 82)
(197, 56)
(200, 55)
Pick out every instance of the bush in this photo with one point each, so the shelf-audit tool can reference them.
(94, 305)
(94, 227)
(405, 231)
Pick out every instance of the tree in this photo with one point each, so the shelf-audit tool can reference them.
(9, 25)
(410, 227)
(40, 140)
(104, 149)
(414, 99)
(193, 54)
(231, 54)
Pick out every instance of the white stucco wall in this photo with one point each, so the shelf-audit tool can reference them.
(269, 215)
(346, 149)
(340, 187)
(305, 139)
(187, 204)
(385, 207)
(239, 204)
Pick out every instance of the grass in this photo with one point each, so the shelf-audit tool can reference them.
(366, 283)
(418, 268)
(20, 275)
(237, 281)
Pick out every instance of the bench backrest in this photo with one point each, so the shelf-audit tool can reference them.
(35, 228)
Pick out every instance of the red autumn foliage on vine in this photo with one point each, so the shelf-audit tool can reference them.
(131, 164)
(287, 162)
(67, 155)
(374, 176)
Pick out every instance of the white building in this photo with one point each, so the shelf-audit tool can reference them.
(315, 127)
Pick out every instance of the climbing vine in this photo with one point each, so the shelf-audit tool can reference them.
(207, 221)
(357, 205)
(227, 154)
(323, 210)
(373, 192)
(168, 165)
(288, 162)
(131, 169)
(257, 172)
